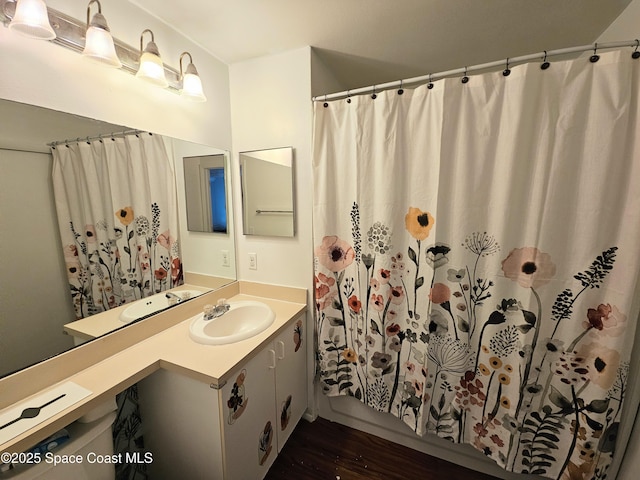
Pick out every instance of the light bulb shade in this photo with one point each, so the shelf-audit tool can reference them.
(31, 19)
(192, 85)
(151, 67)
(98, 45)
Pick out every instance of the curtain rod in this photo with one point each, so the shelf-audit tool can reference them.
(97, 137)
(465, 70)
(40, 152)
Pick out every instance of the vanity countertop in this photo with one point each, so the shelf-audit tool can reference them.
(171, 349)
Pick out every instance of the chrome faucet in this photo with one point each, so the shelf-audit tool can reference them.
(173, 298)
(211, 312)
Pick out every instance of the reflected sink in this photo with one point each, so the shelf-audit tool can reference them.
(244, 319)
(154, 303)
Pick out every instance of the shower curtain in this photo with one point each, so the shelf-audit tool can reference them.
(116, 204)
(476, 258)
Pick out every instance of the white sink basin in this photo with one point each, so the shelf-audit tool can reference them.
(154, 304)
(243, 320)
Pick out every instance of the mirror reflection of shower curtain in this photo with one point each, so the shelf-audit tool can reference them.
(117, 213)
(477, 259)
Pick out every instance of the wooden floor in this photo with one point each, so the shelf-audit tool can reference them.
(330, 451)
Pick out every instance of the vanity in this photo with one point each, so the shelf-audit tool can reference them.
(210, 411)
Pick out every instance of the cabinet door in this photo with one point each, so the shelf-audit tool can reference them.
(249, 418)
(291, 374)
(181, 427)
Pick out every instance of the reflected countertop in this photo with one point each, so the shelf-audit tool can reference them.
(102, 323)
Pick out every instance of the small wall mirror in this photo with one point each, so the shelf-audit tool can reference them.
(205, 190)
(267, 192)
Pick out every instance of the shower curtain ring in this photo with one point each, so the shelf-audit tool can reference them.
(374, 95)
(400, 90)
(507, 71)
(348, 96)
(430, 84)
(465, 79)
(636, 54)
(595, 57)
(544, 65)
(325, 104)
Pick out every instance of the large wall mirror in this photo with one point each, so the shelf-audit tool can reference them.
(268, 192)
(34, 288)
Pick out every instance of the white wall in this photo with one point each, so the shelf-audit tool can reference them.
(42, 73)
(625, 27)
(270, 108)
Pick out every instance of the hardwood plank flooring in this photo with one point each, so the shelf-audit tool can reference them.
(324, 450)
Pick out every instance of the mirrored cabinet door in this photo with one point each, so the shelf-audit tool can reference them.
(268, 192)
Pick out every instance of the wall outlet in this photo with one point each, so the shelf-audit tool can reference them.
(225, 258)
(253, 261)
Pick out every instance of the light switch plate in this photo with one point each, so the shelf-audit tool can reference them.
(253, 261)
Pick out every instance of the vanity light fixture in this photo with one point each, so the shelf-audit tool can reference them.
(32, 20)
(191, 83)
(151, 68)
(99, 42)
(76, 35)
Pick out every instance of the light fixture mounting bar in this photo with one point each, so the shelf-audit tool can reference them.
(70, 33)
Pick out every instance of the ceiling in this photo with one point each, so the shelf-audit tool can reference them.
(364, 42)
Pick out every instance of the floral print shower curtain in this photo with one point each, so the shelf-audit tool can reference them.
(117, 213)
(476, 259)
